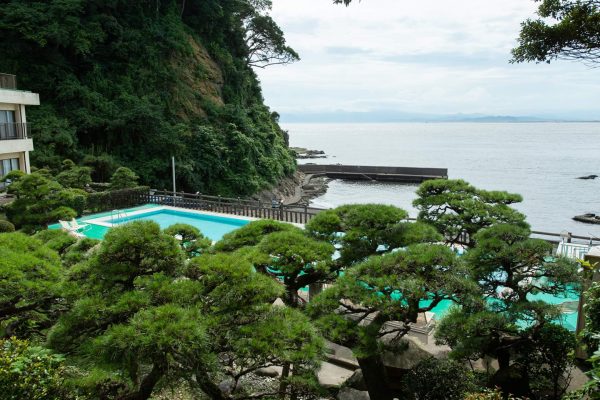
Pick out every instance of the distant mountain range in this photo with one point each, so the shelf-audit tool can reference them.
(387, 116)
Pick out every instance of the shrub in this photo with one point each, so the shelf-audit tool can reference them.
(75, 177)
(103, 201)
(41, 200)
(435, 379)
(123, 178)
(55, 239)
(6, 226)
(29, 372)
(191, 240)
(103, 166)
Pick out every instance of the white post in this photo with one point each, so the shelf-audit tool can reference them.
(174, 188)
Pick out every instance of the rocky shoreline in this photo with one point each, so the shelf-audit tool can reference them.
(300, 188)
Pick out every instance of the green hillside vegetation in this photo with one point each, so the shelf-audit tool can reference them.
(134, 83)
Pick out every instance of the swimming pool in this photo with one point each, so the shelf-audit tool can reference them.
(212, 225)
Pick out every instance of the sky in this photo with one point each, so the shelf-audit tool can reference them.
(428, 56)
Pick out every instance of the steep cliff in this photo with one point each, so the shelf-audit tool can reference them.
(136, 82)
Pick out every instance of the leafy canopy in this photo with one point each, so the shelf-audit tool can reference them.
(362, 230)
(31, 275)
(456, 208)
(565, 29)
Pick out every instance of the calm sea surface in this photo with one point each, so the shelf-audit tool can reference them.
(541, 161)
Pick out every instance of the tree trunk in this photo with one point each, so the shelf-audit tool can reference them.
(314, 289)
(208, 386)
(375, 377)
(291, 298)
(149, 382)
(503, 357)
(283, 384)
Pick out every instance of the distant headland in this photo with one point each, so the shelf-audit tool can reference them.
(396, 117)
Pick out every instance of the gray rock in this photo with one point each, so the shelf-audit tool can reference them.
(332, 376)
(352, 394)
(268, 372)
(227, 386)
(411, 352)
(357, 381)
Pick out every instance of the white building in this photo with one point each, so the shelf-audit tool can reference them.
(15, 137)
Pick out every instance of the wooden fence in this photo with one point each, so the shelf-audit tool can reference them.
(233, 206)
(286, 213)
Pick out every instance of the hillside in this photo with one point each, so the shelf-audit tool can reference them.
(133, 83)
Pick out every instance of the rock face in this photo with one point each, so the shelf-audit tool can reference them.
(352, 394)
(302, 153)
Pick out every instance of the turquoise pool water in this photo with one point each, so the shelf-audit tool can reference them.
(211, 226)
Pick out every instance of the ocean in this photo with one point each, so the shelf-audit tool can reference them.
(540, 161)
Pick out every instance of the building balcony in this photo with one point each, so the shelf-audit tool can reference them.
(10, 95)
(15, 131)
(8, 81)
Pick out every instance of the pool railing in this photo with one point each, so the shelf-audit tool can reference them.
(294, 213)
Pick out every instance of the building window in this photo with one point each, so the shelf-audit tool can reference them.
(7, 125)
(6, 166)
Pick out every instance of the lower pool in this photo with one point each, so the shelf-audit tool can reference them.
(212, 225)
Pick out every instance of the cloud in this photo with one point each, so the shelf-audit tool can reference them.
(428, 57)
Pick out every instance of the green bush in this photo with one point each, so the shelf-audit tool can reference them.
(75, 199)
(123, 178)
(6, 226)
(56, 239)
(30, 372)
(75, 177)
(434, 379)
(103, 166)
(114, 199)
(41, 200)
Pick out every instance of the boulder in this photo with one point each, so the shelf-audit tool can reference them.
(352, 394)
(227, 386)
(332, 376)
(410, 353)
(357, 381)
(270, 372)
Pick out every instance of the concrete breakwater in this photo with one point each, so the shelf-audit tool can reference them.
(375, 173)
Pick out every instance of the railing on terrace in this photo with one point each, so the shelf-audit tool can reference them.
(225, 205)
(296, 213)
(8, 81)
(14, 130)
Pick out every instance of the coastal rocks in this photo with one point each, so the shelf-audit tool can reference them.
(588, 218)
(588, 177)
(302, 153)
(352, 394)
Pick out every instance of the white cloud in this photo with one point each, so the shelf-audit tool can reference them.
(430, 56)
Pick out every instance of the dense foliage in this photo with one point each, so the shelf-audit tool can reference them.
(134, 83)
(40, 200)
(459, 210)
(30, 372)
(148, 309)
(565, 29)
